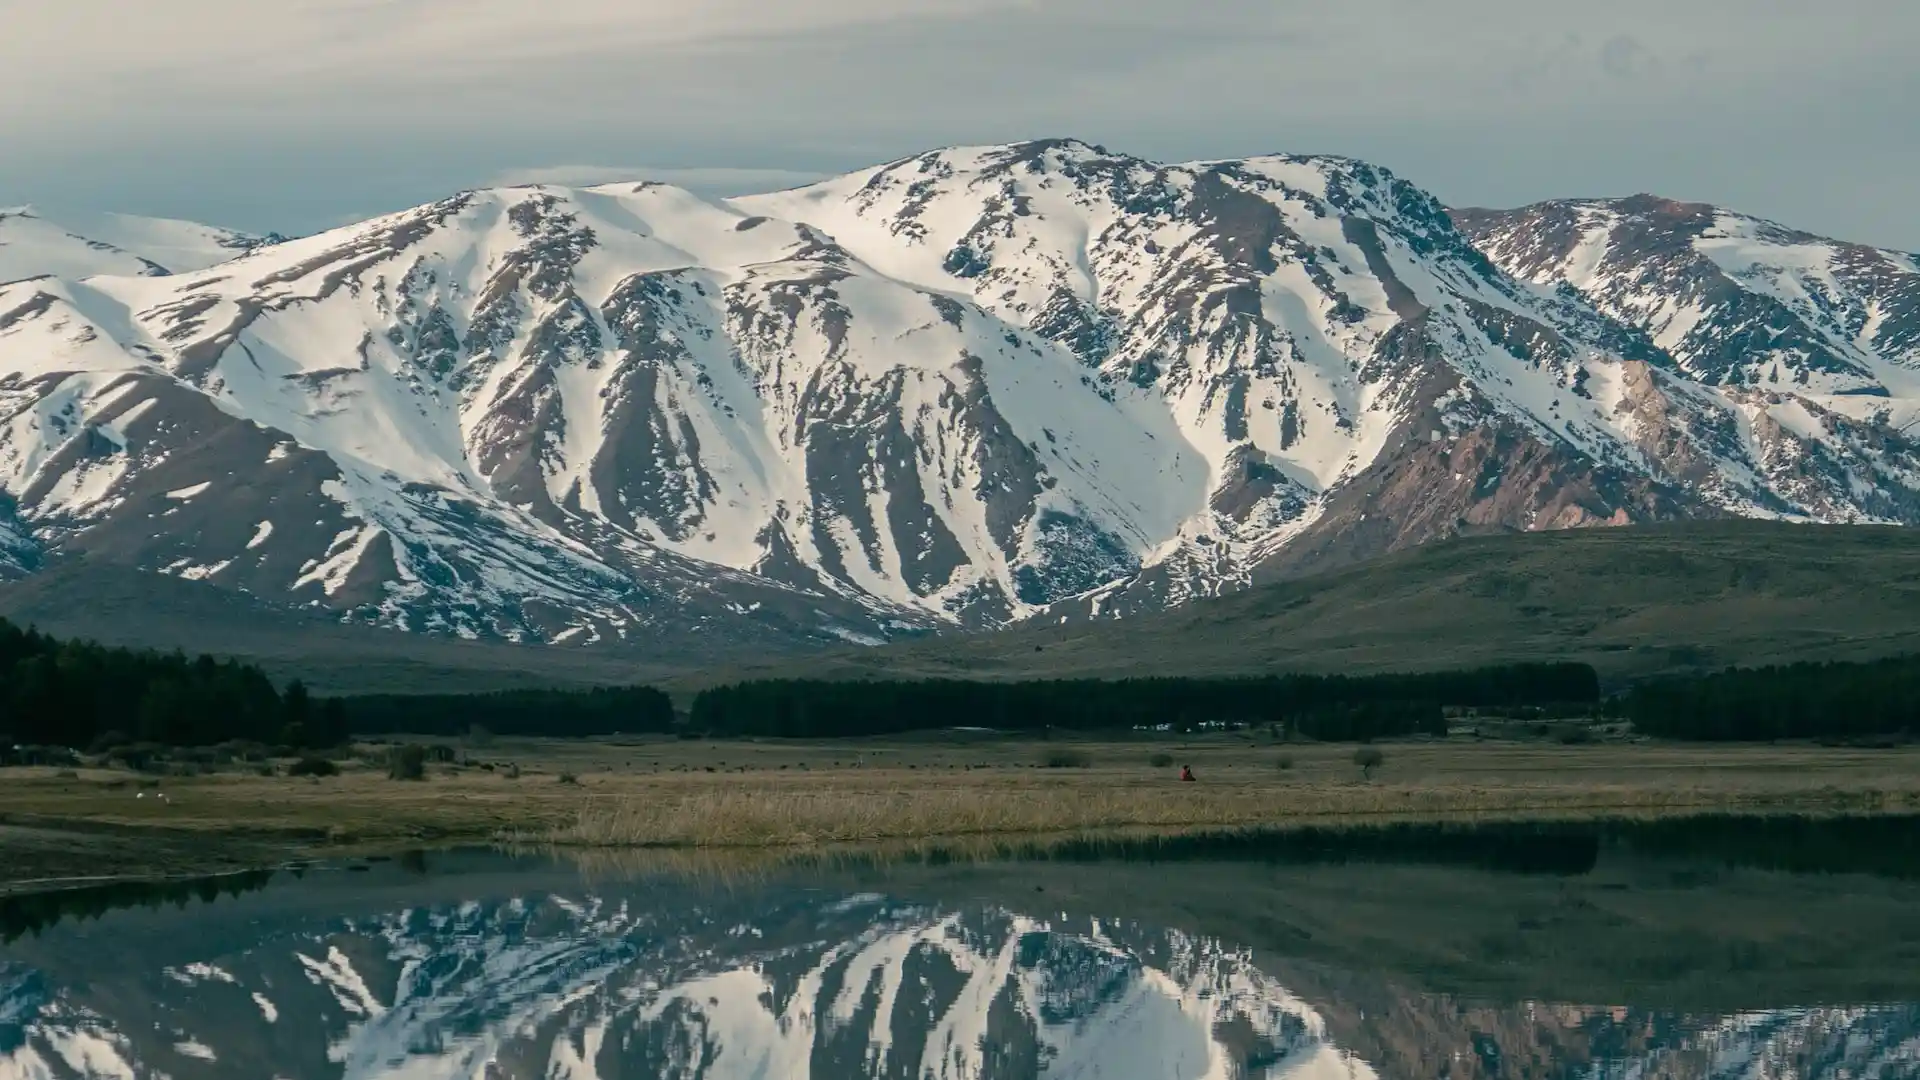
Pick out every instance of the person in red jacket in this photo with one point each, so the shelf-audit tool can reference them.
(1186, 772)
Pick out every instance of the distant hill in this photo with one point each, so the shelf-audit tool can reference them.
(1632, 601)
(123, 606)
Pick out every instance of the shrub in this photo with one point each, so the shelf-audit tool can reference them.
(1161, 761)
(1065, 759)
(313, 766)
(1368, 758)
(1285, 762)
(109, 741)
(569, 778)
(239, 750)
(407, 762)
(1576, 735)
(140, 757)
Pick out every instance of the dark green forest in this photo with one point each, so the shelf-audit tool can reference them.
(1797, 701)
(1328, 707)
(561, 713)
(79, 694)
(76, 693)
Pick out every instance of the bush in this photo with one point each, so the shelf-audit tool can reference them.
(109, 741)
(1576, 735)
(140, 757)
(240, 750)
(1065, 759)
(1369, 758)
(1284, 763)
(569, 778)
(1161, 761)
(313, 766)
(407, 762)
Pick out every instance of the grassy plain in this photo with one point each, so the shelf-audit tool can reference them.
(771, 795)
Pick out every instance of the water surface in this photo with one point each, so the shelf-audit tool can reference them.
(1722, 950)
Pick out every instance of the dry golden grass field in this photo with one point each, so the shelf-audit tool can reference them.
(771, 794)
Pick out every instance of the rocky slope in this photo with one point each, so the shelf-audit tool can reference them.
(973, 387)
(576, 986)
(1807, 349)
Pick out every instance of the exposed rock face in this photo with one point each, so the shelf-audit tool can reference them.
(967, 388)
(1734, 299)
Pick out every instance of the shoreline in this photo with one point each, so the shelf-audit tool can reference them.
(1551, 843)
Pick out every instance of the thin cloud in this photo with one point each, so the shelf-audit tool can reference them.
(285, 114)
(720, 182)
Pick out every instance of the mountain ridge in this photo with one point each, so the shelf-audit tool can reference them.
(968, 389)
(33, 245)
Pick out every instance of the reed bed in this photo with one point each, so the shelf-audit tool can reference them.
(773, 796)
(776, 818)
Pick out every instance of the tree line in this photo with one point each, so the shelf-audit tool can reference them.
(83, 695)
(1796, 701)
(1328, 707)
(624, 710)
(79, 693)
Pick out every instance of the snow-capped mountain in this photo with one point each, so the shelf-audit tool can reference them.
(1805, 350)
(33, 246)
(833, 987)
(967, 388)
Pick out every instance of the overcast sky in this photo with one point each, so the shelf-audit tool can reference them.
(298, 114)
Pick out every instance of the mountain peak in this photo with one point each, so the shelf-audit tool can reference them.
(966, 388)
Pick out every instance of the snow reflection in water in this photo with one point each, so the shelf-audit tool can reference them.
(540, 973)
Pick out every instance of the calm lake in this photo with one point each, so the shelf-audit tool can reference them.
(1730, 950)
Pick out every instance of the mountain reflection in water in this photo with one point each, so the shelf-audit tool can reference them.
(489, 967)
